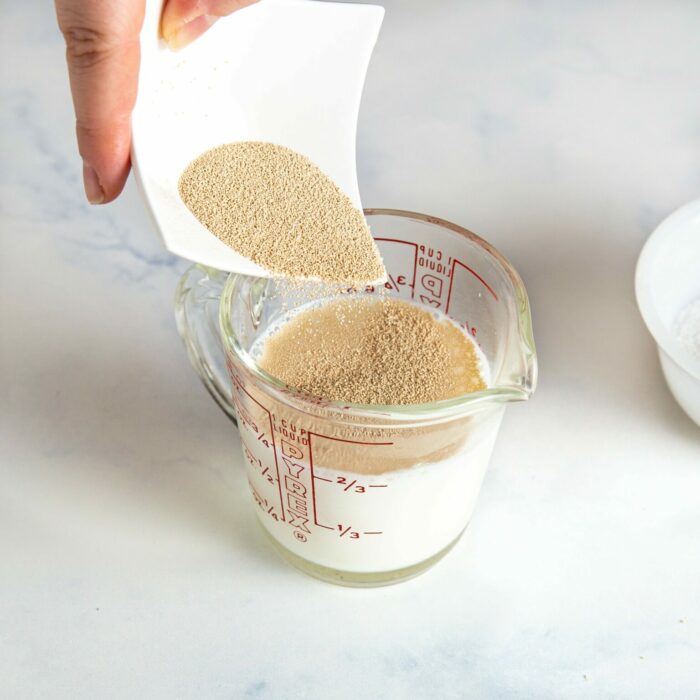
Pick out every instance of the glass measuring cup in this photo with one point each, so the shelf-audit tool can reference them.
(366, 495)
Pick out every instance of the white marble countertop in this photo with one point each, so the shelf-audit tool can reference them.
(131, 565)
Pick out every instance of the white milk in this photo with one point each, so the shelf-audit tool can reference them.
(366, 523)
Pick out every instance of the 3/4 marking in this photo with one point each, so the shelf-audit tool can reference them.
(412, 285)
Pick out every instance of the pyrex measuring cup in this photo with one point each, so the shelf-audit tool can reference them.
(366, 495)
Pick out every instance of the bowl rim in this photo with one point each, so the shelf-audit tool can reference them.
(662, 335)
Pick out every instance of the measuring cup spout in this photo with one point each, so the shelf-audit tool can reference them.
(510, 346)
(518, 377)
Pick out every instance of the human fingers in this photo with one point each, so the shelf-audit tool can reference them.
(102, 50)
(183, 21)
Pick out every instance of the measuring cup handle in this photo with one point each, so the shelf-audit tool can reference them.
(197, 313)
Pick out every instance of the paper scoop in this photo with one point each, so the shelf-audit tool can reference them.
(289, 72)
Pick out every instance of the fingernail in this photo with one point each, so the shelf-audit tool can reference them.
(180, 35)
(93, 190)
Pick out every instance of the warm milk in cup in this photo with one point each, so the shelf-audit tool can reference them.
(367, 495)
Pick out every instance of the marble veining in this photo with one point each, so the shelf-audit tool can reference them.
(132, 565)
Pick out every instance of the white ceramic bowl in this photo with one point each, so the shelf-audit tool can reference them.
(666, 281)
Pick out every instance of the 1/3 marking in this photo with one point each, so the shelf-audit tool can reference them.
(355, 534)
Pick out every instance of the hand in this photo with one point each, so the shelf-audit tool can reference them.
(102, 50)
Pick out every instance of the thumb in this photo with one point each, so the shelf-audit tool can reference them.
(102, 50)
(184, 20)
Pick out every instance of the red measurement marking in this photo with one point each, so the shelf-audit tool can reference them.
(373, 533)
(314, 477)
(345, 531)
(249, 455)
(392, 283)
(313, 488)
(352, 483)
(350, 442)
(272, 437)
(378, 486)
(452, 279)
(323, 478)
(415, 258)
